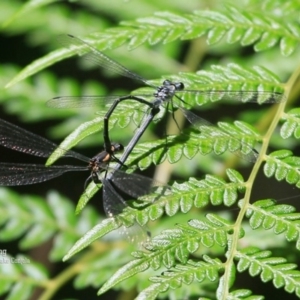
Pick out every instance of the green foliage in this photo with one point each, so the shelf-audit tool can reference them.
(13, 269)
(38, 221)
(281, 218)
(269, 268)
(206, 270)
(199, 248)
(212, 189)
(283, 165)
(291, 124)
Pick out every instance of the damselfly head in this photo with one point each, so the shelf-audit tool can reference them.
(179, 86)
(116, 147)
(167, 82)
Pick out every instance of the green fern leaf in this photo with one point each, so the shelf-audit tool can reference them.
(127, 271)
(93, 234)
(266, 214)
(291, 125)
(20, 267)
(179, 275)
(243, 295)
(231, 81)
(80, 133)
(270, 268)
(20, 291)
(212, 188)
(88, 193)
(175, 244)
(283, 165)
(43, 220)
(234, 138)
(12, 206)
(171, 246)
(214, 23)
(170, 203)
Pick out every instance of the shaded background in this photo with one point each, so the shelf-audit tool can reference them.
(32, 35)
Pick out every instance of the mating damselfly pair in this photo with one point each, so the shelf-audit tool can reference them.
(169, 93)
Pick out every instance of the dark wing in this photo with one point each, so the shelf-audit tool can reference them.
(113, 203)
(137, 186)
(18, 139)
(23, 174)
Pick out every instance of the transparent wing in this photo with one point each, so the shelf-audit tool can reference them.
(88, 101)
(242, 96)
(97, 57)
(81, 101)
(18, 139)
(113, 205)
(23, 174)
(206, 96)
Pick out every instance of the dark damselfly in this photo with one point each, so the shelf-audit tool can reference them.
(21, 140)
(162, 94)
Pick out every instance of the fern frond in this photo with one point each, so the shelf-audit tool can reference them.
(229, 79)
(277, 269)
(106, 226)
(231, 82)
(239, 138)
(41, 221)
(282, 218)
(192, 193)
(89, 274)
(283, 165)
(187, 238)
(19, 100)
(248, 28)
(208, 269)
(20, 275)
(39, 19)
(182, 197)
(291, 125)
(244, 27)
(202, 271)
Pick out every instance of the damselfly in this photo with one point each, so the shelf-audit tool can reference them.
(13, 174)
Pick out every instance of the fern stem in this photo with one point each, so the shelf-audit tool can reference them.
(249, 184)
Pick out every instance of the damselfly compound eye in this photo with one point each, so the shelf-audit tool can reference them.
(179, 86)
